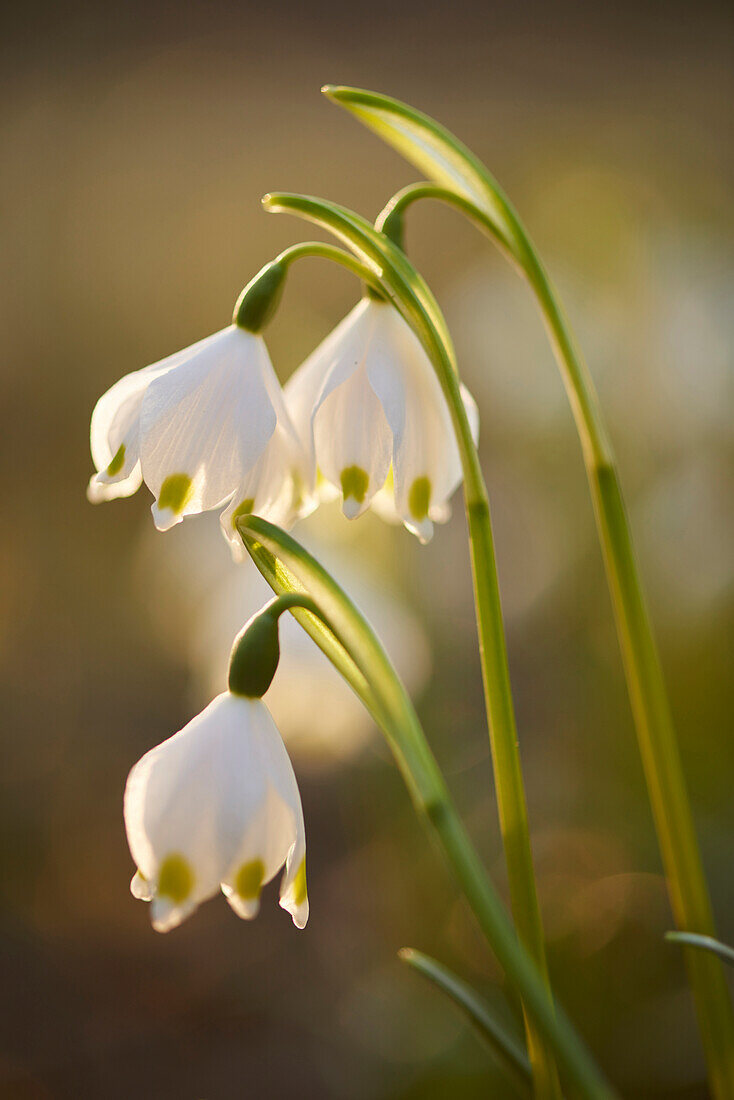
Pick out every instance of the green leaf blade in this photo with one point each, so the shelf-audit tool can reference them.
(437, 153)
(505, 1047)
(705, 943)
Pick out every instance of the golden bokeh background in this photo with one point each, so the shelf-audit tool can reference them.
(136, 143)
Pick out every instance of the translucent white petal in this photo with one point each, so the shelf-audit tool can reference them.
(140, 888)
(167, 915)
(194, 797)
(426, 462)
(103, 487)
(278, 488)
(115, 413)
(276, 830)
(208, 421)
(115, 423)
(351, 435)
(302, 390)
(293, 889)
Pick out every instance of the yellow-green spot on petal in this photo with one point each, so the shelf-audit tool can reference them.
(243, 509)
(175, 493)
(419, 498)
(175, 879)
(117, 462)
(300, 893)
(354, 482)
(249, 880)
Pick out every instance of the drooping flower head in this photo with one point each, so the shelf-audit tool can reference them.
(367, 402)
(214, 807)
(204, 428)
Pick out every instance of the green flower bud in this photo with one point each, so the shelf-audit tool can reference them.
(255, 656)
(259, 300)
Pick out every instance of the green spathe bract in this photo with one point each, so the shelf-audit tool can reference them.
(468, 184)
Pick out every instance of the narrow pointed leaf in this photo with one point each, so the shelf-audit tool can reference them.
(706, 943)
(507, 1048)
(439, 155)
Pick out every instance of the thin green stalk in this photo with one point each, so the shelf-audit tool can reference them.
(658, 743)
(507, 1050)
(286, 565)
(659, 748)
(319, 250)
(411, 295)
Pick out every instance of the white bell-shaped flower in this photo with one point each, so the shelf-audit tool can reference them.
(217, 806)
(204, 428)
(367, 402)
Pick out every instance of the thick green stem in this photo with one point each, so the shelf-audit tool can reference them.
(285, 565)
(651, 711)
(509, 785)
(403, 285)
(511, 800)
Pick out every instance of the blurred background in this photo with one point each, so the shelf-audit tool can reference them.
(136, 141)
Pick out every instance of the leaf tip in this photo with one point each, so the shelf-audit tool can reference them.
(334, 91)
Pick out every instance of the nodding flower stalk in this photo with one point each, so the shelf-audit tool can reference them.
(325, 611)
(410, 294)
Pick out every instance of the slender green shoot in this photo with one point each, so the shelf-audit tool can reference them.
(455, 169)
(288, 567)
(706, 943)
(402, 284)
(507, 1050)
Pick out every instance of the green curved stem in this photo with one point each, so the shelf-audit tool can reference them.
(412, 297)
(705, 943)
(284, 563)
(448, 162)
(319, 250)
(661, 757)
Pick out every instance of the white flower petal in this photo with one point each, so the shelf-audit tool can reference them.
(217, 805)
(303, 388)
(375, 400)
(166, 915)
(140, 888)
(206, 424)
(293, 888)
(278, 488)
(193, 796)
(114, 434)
(277, 830)
(426, 462)
(103, 487)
